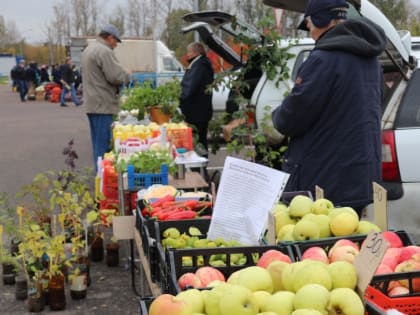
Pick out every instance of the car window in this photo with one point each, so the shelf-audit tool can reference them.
(169, 64)
(409, 111)
(300, 59)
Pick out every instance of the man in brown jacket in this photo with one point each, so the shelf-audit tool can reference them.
(103, 76)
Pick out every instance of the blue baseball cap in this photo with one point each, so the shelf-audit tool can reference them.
(111, 30)
(323, 11)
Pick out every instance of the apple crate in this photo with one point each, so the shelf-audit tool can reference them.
(299, 247)
(409, 303)
(181, 138)
(176, 268)
(136, 181)
(157, 255)
(372, 309)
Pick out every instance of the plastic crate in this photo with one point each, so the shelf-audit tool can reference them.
(136, 181)
(372, 309)
(181, 138)
(176, 269)
(157, 255)
(376, 293)
(144, 304)
(299, 247)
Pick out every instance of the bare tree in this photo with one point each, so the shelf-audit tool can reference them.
(118, 19)
(136, 17)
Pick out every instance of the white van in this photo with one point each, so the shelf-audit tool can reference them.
(401, 109)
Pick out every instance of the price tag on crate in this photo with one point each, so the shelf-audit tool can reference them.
(271, 229)
(380, 206)
(367, 261)
(319, 192)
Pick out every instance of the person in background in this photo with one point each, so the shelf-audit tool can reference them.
(32, 76)
(20, 78)
(44, 76)
(56, 74)
(196, 97)
(77, 77)
(333, 113)
(103, 76)
(67, 81)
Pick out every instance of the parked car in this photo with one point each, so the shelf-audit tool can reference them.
(415, 48)
(401, 109)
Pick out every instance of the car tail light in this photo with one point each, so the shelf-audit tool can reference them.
(390, 170)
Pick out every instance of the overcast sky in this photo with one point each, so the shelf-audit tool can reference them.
(31, 16)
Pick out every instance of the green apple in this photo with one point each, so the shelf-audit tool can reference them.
(312, 296)
(256, 278)
(233, 278)
(289, 271)
(193, 297)
(275, 269)
(212, 298)
(323, 222)
(306, 311)
(282, 218)
(345, 301)
(305, 230)
(280, 303)
(334, 211)
(238, 300)
(267, 313)
(299, 206)
(344, 224)
(286, 233)
(322, 206)
(314, 272)
(261, 298)
(343, 274)
(279, 207)
(365, 227)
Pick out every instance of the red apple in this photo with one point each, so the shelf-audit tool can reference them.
(343, 242)
(383, 269)
(391, 257)
(399, 290)
(316, 253)
(346, 253)
(169, 304)
(272, 255)
(189, 279)
(407, 252)
(207, 274)
(392, 238)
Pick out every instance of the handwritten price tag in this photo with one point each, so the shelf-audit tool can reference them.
(319, 192)
(370, 256)
(380, 206)
(271, 229)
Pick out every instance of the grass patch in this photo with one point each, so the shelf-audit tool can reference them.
(4, 80)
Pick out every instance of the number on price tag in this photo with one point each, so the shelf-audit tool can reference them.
(367, 261)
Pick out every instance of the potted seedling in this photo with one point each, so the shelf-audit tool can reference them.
(112, 252)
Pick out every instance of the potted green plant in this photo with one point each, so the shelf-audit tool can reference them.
(112, 252)
(151, 100)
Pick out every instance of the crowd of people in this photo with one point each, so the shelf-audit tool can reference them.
(27, 77)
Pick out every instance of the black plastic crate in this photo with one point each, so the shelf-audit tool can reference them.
(372, 309)
(157, 257)
(176, 269)
(299, 247)
(145, 305)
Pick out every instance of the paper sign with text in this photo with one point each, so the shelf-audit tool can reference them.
(367, 261)
(247, 192)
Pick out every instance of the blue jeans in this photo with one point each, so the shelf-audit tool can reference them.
(23, 88)
(73, 94)
(100, 133)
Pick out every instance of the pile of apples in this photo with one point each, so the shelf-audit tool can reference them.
(275, 286)
(305, 219)
(398, 258)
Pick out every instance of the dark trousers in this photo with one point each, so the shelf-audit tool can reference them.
(201, 128)
(23, 88)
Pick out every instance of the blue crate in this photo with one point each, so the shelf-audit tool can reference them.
(138, 181)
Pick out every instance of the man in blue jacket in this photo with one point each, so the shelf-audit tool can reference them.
(333, 113)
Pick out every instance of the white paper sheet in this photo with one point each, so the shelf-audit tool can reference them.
(247, 191)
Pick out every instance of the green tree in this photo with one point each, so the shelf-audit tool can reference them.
(395, 10)
(172, 36)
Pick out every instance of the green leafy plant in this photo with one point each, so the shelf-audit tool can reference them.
(145, 96)
(266, 54)
(149, 161)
